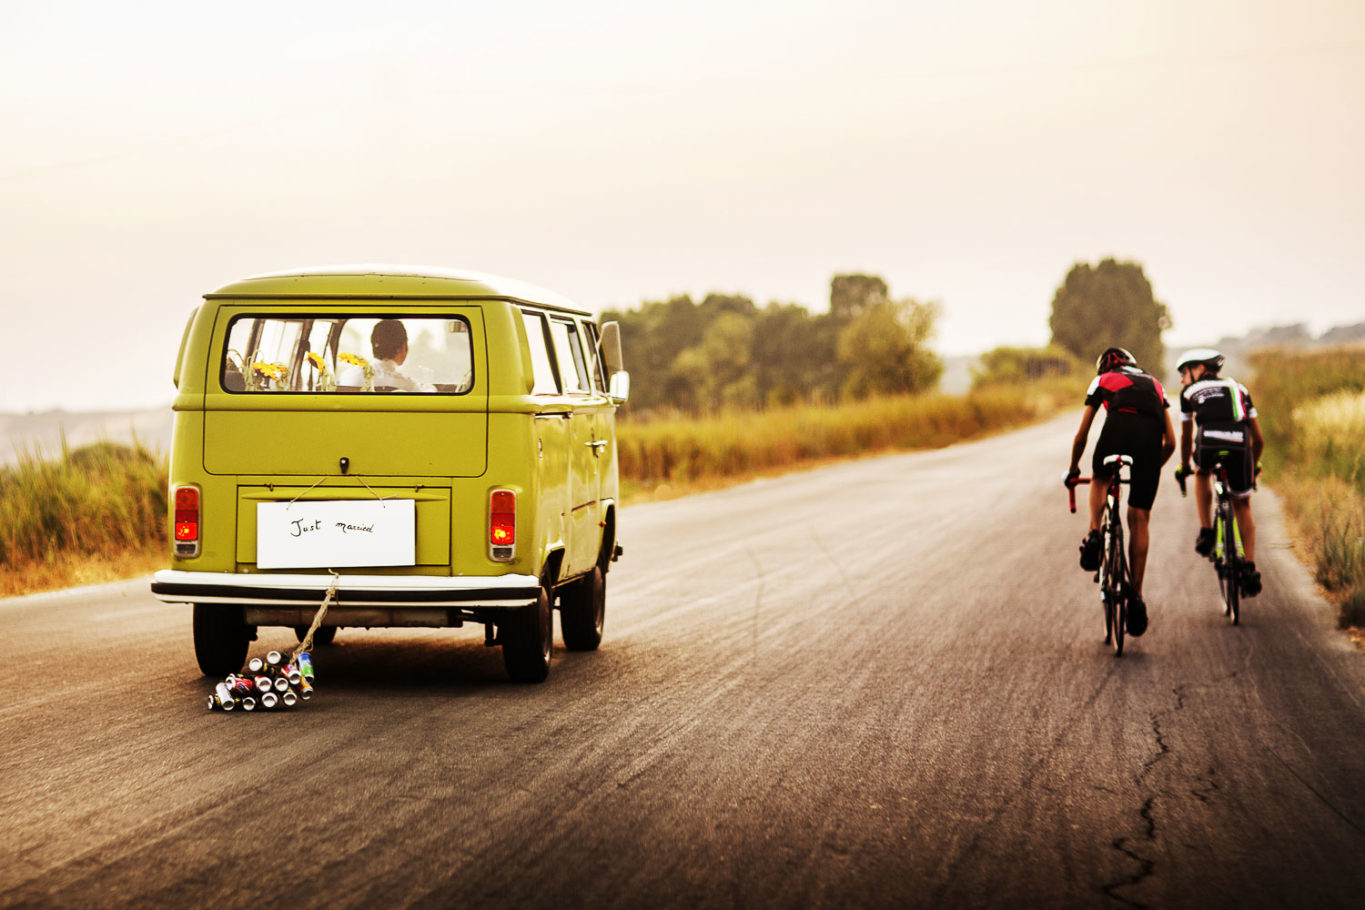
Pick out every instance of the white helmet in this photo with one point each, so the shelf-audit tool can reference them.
(1211, 359)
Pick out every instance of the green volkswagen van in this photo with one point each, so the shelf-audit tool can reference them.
(436, 446)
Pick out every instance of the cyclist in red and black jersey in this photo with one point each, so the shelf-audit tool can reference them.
(1137, 423)
(1224, 419)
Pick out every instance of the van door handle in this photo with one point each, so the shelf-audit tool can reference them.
(597, 445)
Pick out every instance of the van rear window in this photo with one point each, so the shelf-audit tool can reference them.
(348, 354)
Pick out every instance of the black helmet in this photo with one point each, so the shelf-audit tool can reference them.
(1208, 357)
(1112, 359)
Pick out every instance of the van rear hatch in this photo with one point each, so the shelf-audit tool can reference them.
(321, 389)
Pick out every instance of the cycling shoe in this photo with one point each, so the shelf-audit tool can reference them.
(1090, 551)
(1204, 545)
(1251, 580)
(1137, 616)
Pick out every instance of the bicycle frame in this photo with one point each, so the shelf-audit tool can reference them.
(1114, 575)
(1227, 555)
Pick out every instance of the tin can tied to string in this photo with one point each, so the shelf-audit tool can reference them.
(279, 681)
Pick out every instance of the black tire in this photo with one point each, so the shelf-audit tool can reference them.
(321, 638)
(583, 611)
(1233, 587)
(221, 639)
(1118, 582)
(527, 635)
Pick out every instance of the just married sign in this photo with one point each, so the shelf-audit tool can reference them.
(329, 534)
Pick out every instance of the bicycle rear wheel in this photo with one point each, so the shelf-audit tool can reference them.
(1220, 560)
(1232, 588)
(1116, 587)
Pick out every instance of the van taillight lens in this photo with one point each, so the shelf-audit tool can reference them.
(186, 521)
(502, 518)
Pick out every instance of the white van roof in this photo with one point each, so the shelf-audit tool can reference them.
(381, 281)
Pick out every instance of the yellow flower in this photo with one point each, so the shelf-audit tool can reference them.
(316, 360)
(270, 370)
(354, 360)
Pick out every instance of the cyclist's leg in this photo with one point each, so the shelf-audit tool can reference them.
(1246, 525)
(1099, 489)
(1138, 541)
(1203, 499)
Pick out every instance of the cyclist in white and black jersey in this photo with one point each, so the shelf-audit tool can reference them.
(1217, 415)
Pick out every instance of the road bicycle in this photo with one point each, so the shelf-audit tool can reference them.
(1114, 575)
(1227, 556)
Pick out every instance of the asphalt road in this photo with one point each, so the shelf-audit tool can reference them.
(878, 684)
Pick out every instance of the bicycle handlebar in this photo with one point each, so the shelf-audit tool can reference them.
(1071, 484)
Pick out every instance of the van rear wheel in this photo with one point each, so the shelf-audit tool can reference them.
(527, 635)
(221, 638)
(583, 611)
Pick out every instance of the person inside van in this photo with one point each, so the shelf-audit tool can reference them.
(389, 341)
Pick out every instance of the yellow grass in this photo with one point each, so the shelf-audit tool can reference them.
(98, 514)
(663, 457)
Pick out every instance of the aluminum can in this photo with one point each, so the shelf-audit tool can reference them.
(223, 692)
(281, 684)
(305, 664)
(269, 700)
(240, 685)
(255, 665)
(263, 683)
(248, 703)
(274, 658)
(289, 698)
(305, 690)
(292, 674)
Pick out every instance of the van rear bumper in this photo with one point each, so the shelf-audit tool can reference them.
(175, 586)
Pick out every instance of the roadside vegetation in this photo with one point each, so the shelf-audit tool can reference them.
(89, 515)
(1312, 406)
(671, 456)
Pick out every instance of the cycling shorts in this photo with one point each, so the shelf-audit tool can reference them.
(1214, 438)
(1138, 436)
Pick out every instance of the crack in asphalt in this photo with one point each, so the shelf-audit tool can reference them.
(1130, 846)
(1146, 867)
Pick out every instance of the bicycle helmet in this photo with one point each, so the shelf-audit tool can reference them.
(1112, 359)
(1208, 357)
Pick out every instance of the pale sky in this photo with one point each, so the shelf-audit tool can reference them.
(969, 152)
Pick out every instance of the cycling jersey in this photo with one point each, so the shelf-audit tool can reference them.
(1220, 409)
(1128, 390)
(1134, 425)
(1215, 400)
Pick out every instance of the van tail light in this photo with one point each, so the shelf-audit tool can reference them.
(186, 524)
(502, 524)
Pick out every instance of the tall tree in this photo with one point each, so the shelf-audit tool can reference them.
(885, 349)
(851, 295)
(1109, 305)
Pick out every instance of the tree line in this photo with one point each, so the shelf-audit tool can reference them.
(726, 352)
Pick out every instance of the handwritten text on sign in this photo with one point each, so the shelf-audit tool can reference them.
(325, 535)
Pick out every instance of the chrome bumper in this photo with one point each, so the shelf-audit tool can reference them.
(307, 591)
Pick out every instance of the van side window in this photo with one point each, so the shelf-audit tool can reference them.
(599, 381)
(573, 371)
(544, 373)
(342, 353)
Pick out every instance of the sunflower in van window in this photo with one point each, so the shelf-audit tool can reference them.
(356, 360)
(325, 382)
(276, 373)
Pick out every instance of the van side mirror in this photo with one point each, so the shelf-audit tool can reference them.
(611, 347)
(618, 387)
(618, 380)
